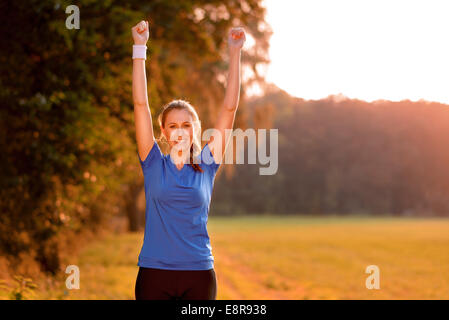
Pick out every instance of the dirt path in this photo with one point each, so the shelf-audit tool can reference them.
(243, 282)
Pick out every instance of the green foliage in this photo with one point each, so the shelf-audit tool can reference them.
(22, 289)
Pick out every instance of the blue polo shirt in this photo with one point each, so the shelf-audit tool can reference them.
(177, 208)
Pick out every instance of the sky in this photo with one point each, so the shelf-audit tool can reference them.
(368, 50)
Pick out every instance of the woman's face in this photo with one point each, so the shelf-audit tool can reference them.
(178, 129)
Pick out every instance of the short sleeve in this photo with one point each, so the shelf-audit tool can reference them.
(207, 159)
(155, 154)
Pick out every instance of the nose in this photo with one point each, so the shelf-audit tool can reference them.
(180, 134)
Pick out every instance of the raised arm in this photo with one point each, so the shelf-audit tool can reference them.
(226, 116)
(142, 114)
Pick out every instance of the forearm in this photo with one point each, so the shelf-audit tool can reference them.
(140, 95)
(232, 94)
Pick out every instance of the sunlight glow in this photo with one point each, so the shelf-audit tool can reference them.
(362, 49)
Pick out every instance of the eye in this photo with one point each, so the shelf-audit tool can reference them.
(187, 125)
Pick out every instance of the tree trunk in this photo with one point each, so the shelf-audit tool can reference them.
(134, 213)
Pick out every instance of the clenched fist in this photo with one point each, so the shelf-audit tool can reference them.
(236, 38)
(141, 32)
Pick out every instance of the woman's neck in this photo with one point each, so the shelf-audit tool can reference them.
(181, 159)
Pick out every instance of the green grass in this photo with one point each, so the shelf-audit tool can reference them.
(290, 258)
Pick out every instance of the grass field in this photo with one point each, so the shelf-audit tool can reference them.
(290, 258)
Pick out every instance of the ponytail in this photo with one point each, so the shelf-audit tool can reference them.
(195, 166)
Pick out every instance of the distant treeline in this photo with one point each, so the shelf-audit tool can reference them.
(341, 156)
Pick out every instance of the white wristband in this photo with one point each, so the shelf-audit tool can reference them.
(139, 51)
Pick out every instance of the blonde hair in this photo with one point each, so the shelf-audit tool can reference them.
(180, 104)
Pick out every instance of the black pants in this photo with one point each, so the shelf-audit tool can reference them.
(161, 284)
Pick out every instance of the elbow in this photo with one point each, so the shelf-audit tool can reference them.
(139, 104)
(231, 104)
(231, 108)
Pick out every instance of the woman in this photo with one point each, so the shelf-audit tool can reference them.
(176, 260)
